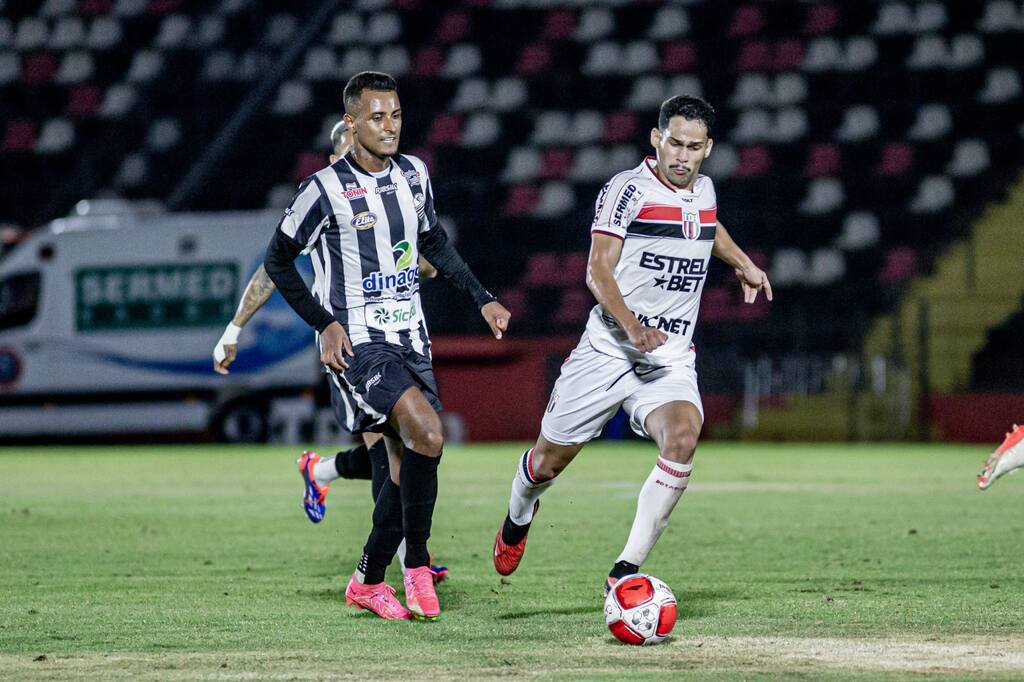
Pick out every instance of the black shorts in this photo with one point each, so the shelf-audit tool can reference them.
(365, 393)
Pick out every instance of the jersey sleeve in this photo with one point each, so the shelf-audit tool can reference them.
(305, 218)
(425, 209)
(616, 206)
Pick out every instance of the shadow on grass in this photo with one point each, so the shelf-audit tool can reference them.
(701, 603)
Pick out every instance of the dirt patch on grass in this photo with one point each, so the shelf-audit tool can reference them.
(783, 656)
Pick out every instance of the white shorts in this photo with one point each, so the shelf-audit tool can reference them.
(593, 385)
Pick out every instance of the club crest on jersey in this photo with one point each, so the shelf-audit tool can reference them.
(364, 220)
(691, 225)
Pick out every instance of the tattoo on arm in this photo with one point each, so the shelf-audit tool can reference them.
(257, 292)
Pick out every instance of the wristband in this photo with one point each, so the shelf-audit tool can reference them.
(228, 338)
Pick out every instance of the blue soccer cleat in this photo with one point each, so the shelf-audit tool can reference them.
(315, 494)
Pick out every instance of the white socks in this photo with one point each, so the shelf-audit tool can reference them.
(658, 497)
(401, 555)
(324, 471)
(526, 490)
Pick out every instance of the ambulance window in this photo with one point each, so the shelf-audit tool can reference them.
(19, 300)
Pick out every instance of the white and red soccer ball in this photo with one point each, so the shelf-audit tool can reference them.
(640, 609)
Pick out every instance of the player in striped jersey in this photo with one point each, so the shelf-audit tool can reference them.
(369, 460)
(364, 220)
(652, 238)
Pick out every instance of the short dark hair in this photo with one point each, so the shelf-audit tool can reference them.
(366, 80)
(689, 107)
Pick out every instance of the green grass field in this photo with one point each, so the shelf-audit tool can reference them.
(810, 562)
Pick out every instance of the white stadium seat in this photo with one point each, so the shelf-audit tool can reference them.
(319, 64)
(824, 195)
(146, 65)
(118, 100)
(556, 200)
(523, 165)
(551, 127)
(56, 136)
(356, 59)
(292, 98)
(10, 67)
(31, 34)
(104, 33)
(508, 94)
(970, 157)
(1001, 16)
(669, 22)
(393, 59)
(164, 134)
(932, 121)
(480, 130)
(722, 162)
(132, 8)
(463, 60)
(68, 32)
(1001, 85)
(934, 194)
(174, 29)
(472, 93)
(383, 28)
(594, 23)
(75, 67)
(346, 29)
(280, 29)
(859, 123)
(587, 126)
(57, 8)
(860, 230)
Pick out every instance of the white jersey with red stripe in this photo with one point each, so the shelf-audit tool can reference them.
(667, 234)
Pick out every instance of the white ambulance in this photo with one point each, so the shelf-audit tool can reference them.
(108, 319)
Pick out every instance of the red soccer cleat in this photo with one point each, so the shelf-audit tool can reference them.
(1007, 459)
(507, 557)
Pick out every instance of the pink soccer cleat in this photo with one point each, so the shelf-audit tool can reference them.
(1007, 458)
(420, 596)
(378, 598)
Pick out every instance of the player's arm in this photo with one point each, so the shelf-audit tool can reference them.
(436, 248)
(298, 231)
(257, 292)
(605, 250)
(752, 278)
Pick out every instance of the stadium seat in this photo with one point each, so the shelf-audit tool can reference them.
(669, 22)
(84, 100)
(821, 19)
(1001, 85)
(146, 65)
(932, 122)
(753, 162)
(823, 160)
(481, 130)
(75, 67)
(897, 159)
(970, 157)
(594, 24)
(463, 60)
(860, 122)
(860, 231)
(164, 134)
(523, 165)
(454, 27)
(31, 34)
(56, 136)
(555, 200)
(292, 98)
(746, 21)
(67, 33)
(174, 30)
(934, 194)
(104, 33)
(900, 265)
(520, 200)
(1001, 16)
(559, 24)
(824, 195)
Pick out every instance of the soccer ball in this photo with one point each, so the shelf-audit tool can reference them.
(640, 609)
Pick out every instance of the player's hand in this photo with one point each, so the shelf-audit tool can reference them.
(226, 350)
(752, 280)
(497, 317)
(646, 339)
(334, 344)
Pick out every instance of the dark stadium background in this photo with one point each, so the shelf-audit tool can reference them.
(867, 155)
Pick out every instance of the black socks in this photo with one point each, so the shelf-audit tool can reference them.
(385, 536)
(354, 463)
(419, 493)
(622, 568)
(512, 533)
(380, 468)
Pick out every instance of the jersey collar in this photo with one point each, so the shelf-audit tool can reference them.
(362, 171)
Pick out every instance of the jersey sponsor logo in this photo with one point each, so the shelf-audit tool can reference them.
(669, 325)
(682, 274)
(353, 193)
(364, 220)
(386, 189)
(412, 177)
(393, 316)
(629, 194)
(407, 270)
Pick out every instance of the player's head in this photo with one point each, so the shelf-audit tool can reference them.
(373, 112)
(341, 140)
(682, 139)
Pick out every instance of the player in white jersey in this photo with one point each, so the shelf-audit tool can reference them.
(653, 235)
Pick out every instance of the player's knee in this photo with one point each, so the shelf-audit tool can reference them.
(547, 465)
(428, 440)
(679, 444)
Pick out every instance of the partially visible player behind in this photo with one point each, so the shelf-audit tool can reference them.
(1007, 459)
(368, 460)
(652, 239)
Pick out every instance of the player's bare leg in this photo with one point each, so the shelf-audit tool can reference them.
(535, 473)
(675, 427)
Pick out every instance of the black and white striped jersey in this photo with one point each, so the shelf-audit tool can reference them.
(361, 230)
